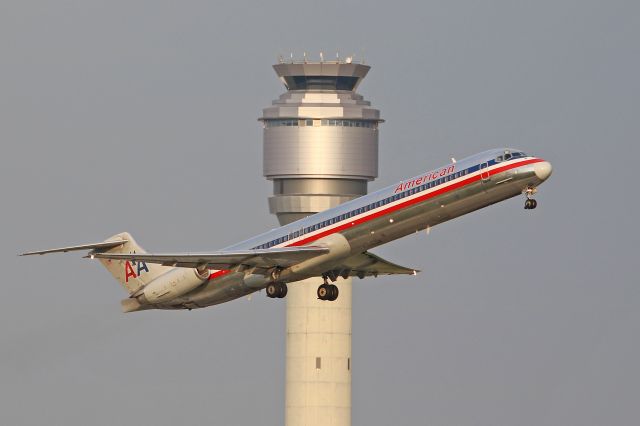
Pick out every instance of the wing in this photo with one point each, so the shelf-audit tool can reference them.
(263, 258)
(368, 264)
(96, 246)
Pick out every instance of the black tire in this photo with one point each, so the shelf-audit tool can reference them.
(323, 292)
(534, 204)
(282, 291)
(333, 292)
(272, 290)
(527, 204)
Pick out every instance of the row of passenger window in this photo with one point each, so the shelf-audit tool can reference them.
(324, 122)
(366, 208)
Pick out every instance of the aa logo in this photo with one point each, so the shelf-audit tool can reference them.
(130, 273)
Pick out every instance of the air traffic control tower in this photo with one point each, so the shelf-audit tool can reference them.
(320, 150)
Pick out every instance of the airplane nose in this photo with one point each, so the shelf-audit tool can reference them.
(543, 170)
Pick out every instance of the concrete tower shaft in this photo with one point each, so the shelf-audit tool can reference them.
(320, 150)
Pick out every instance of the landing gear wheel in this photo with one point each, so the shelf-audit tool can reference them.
(283, 291)
(272, 290)
(333, 292)
(276, 290)
(530, 204)
(328, 292)
(323, 292)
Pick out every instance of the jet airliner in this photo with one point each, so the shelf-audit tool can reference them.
(330, 244)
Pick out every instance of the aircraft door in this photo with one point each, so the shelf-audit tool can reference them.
(484, 173)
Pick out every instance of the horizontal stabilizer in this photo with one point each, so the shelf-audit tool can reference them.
(263, 258)
(96, 246)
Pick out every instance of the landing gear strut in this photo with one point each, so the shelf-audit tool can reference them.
(328, 291)
(276, 290)
(530, 203)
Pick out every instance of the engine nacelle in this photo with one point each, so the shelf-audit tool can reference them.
(174, 283)
(339, 249)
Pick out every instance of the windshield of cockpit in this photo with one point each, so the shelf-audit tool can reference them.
(510, 155)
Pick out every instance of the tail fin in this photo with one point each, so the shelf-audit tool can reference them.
(132, 275)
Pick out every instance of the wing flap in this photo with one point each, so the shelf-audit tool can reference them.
(263, 258)
(368, 264)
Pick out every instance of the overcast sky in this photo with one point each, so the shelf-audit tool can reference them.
(141, 116)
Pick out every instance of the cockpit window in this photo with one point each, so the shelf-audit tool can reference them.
(499, 158)
(507, 156)
(516, 154)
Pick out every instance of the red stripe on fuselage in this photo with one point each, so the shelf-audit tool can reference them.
(399, 206)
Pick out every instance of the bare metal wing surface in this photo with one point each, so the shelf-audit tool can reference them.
(95, 246)
(368, 264)
(259, 258)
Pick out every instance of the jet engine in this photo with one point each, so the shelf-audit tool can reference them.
(174, 283)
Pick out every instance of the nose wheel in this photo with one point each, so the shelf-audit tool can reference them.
(530, 203)
(328, 291)
(276, 290)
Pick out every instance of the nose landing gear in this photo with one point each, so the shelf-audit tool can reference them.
(530, 203)
(328, 291)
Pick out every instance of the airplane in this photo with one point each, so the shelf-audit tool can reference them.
(330, 244)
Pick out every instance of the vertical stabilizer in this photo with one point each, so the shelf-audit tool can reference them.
(132, 275)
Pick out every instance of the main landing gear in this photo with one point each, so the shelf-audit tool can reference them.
(530, 203)
(276, 290)
(328, 291)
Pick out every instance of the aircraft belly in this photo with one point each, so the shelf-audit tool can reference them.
(220, 290)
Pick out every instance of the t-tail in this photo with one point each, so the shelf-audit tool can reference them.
(132, 275)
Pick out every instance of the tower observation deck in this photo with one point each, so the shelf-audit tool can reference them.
(320, 138)
(320, 150)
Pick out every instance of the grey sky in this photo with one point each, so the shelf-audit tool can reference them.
(141, 116)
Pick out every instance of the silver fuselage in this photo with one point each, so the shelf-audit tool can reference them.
(388, 214)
